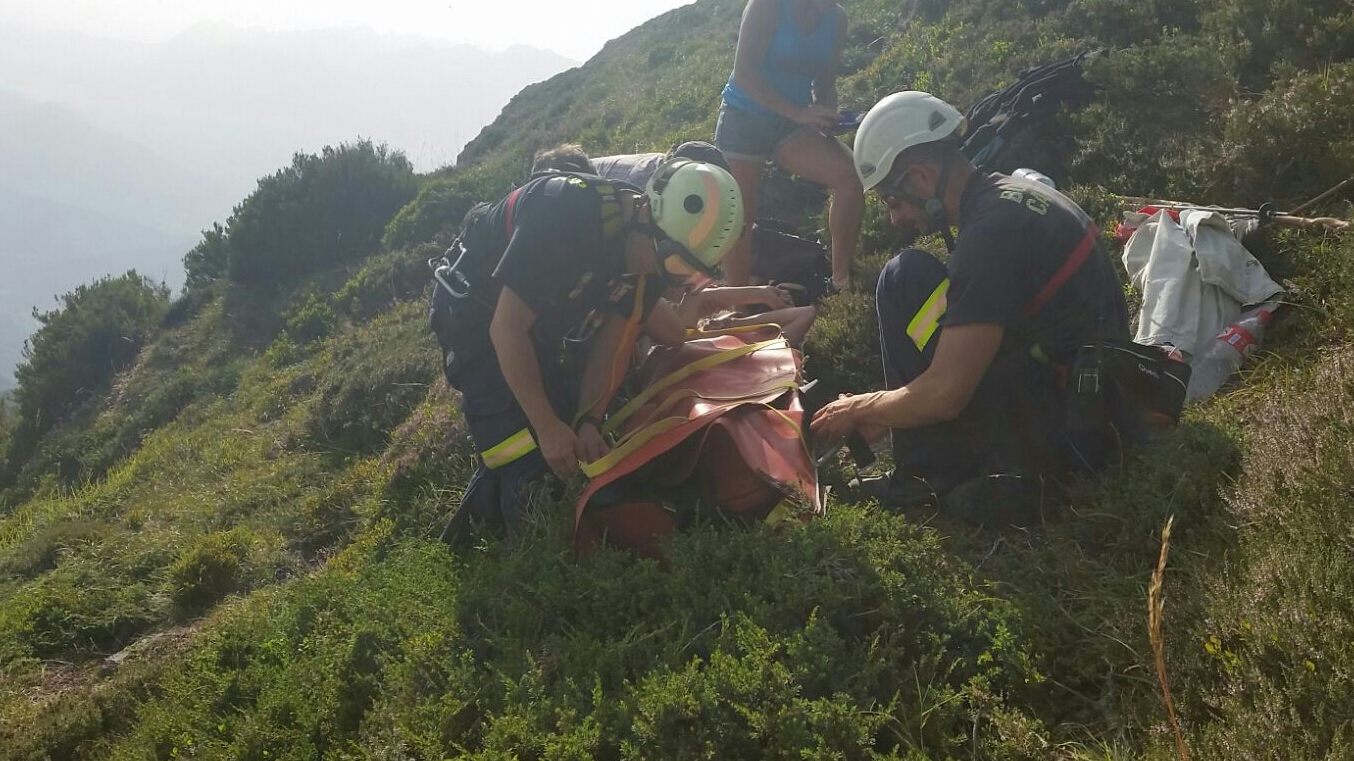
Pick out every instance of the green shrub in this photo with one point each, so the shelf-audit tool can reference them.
(430, 459)
(74, 611)
(1162, 106)
(441, 203)
(41, 552)
(77, 725)
(1264, 647)
(850, 637)
(1292, 142)
(1266, 36)
(214, 566)
(208, 262)
(320, 212)
(385, 281)
(96, 331)
(846, 327)
(309, 318)
(377, 377)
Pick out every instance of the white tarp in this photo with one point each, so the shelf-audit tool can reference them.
(1194, 277)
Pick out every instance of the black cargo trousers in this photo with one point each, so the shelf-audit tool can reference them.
(508, 459)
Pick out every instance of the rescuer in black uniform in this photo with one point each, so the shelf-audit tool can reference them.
(989, 385)
(566, 256)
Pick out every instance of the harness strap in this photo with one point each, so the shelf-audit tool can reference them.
(509, 223)
(621, 357)
(1069, 267)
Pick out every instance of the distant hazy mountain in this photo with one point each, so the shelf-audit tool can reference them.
(49, 151)
(78, 203)
(117, 154)
(233, 96)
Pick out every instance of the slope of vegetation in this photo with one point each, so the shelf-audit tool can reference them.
(242, 501)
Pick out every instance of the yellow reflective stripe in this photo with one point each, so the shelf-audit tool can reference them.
(927, 319)
(509, 450)
(714, 360)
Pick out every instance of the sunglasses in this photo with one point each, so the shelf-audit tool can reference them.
(891, 202)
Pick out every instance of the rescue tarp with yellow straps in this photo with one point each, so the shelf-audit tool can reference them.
(743, 382)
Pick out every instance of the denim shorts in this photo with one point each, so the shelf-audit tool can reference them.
(749, 136)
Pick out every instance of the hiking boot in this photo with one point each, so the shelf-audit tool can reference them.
(997, 500)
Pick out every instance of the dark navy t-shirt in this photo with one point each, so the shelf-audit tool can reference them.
(556, 257)
(1014, 235)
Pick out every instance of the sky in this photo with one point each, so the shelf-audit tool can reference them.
(574, 28)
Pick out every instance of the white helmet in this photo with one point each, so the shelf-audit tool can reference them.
(896, 123)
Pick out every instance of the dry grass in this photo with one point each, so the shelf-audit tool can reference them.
(1156, 604)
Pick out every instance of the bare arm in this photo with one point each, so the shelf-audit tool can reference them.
(760, 19)
(825, 84)
(510, 333)
(664, 325)
(710, 300)
(609, 360)
(940, 393)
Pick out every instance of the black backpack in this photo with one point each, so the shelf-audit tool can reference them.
(783, 255)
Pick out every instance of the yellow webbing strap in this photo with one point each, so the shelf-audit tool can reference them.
(677, 396)
(731, 331)
(927, 319)
(652, 431)
(625, 449)
(672, 379)
(509, 450)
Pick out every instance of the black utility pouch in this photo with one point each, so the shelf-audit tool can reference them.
(1152, 381)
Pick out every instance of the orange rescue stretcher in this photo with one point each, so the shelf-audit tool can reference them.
(719, 417)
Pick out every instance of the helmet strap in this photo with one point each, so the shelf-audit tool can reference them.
(933, 207)
(665, 248)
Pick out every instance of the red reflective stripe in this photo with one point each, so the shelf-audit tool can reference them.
(1069, 267)
(508, 222)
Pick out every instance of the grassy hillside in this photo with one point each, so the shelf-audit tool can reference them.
(247, 516)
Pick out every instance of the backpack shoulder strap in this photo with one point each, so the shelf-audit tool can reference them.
(1075, 259)
(510, 211)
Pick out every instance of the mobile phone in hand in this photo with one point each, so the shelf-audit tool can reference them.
(847, 121)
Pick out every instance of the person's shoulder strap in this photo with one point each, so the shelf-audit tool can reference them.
(510, 211)
(1075, 259)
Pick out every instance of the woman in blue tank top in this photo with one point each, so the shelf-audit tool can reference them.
(779, 103)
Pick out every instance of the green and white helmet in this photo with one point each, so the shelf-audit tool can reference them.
(699, 208)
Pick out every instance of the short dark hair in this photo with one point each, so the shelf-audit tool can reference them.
(948, 148)
(699, 150)
(566, 157)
